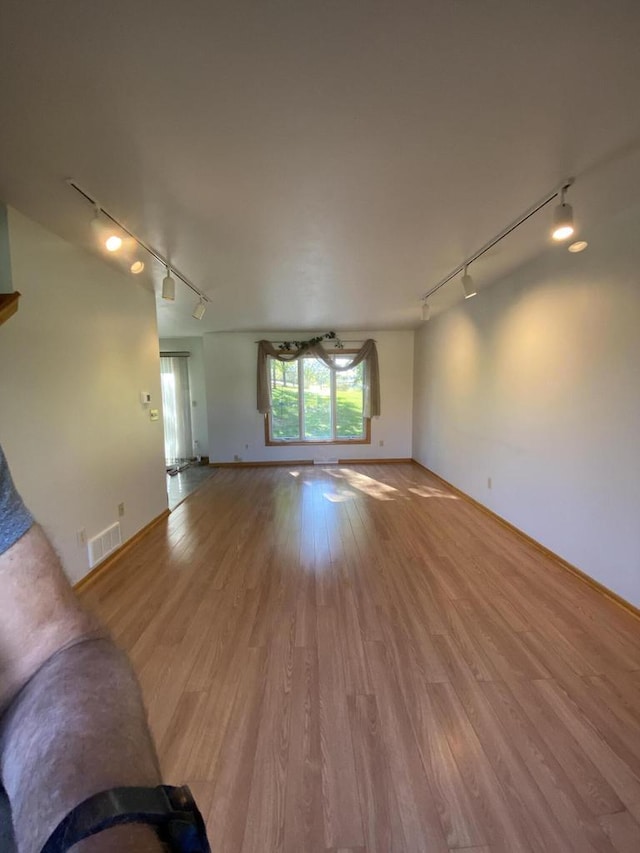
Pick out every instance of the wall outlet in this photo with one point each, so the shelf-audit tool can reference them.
(81, 537)
(121, 510)
(489, 483)
(237, 458)
(381, 442)
(154, 414)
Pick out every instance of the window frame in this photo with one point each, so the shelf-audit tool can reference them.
(300, 442)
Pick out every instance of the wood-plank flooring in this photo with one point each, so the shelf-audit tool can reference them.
(355, 659)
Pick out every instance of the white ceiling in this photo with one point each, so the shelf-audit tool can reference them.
(316, 165)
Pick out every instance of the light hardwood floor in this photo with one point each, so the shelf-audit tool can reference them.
(355, 659)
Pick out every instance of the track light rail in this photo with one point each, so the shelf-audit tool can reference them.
(543, 202)
(143, 245)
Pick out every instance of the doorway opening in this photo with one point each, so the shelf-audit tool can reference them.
(186, 470)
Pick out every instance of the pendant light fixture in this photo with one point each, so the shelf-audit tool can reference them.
(168, 287)
(562, 219)
(426, 311)
(468, 285)
(198, 311)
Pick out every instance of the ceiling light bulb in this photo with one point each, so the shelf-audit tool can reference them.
(198, 311)
(168, 287)
(578, 246)
(137, 267)
(426, 311)
(113, 243)
(468, 286)
(104, 232)
(562, 222)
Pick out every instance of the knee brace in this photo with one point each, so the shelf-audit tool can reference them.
(172, 812)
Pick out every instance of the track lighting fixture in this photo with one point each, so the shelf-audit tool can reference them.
(198, 311)
(468, 285)
(426, 311)
(168, 287)
(562, 219)
(113, 243)
(563, 228)
(113, 235)
(105, 232)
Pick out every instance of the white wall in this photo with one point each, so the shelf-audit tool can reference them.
(234, 422)
(197, 385)
(536, 383)
(73, 361)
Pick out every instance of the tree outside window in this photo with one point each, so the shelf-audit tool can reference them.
(311, 403)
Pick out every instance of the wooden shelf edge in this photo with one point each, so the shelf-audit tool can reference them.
(8, 305)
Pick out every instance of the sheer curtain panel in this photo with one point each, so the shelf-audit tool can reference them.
(176, 405)
(367, 353)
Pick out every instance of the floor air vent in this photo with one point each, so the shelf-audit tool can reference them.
(103, 544)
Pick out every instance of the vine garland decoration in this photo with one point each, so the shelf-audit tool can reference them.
(288, 346)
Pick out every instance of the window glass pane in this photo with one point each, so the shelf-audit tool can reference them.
(349, 401)
(317, 399)
(285, 414)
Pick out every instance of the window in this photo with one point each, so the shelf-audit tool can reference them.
(311, 403)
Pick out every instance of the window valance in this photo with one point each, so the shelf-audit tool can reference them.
(367, 353)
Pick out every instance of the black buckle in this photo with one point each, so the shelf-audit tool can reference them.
(172, 812)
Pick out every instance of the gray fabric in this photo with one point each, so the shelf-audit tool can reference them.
(7, 841)
(367, 353)
(15, 518)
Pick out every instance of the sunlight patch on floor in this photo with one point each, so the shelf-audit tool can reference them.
(367, 485)
(338, 497)
(430, 492)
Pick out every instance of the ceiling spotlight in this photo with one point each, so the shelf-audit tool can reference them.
(113, 243)
(426, 311)
(198, 311)
(105, 232)
(168, 287)
(114, 235)
(467, 285)
(562, 219)
(578, 246)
